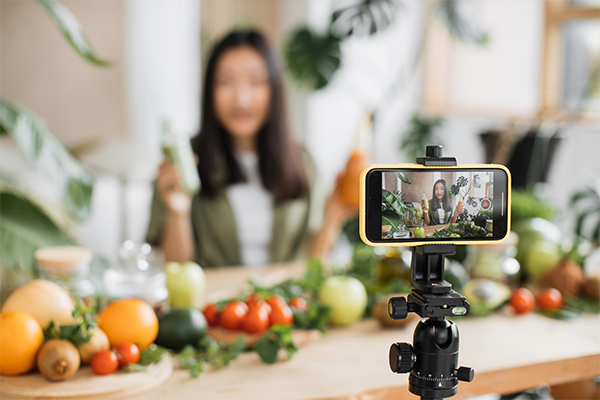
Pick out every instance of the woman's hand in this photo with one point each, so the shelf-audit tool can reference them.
(426, 220)
(459, 208)
(169, 190)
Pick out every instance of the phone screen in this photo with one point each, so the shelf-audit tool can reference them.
(408, 205)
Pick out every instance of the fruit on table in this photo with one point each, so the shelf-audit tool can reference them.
(20, 339)
(104, 362)
(186, 284)
(591, 287)
(44, 300)
(484, 295)
(128, 353)
(419, 232)
(98, 341)
(567, 277)
(347, 298)
(522, 301)
(129, 320)
(549, 300)
(58, 359)
(233, 315)
(299, 303)
(257, 319)
(538, 248)
(281, 313)
(211, 313)
(179, 327)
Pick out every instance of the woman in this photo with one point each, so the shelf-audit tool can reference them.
(440, 201)
(260, 200)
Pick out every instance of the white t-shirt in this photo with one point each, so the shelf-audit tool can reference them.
(252, 207)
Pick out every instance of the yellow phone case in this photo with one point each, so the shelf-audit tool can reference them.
(362, 209)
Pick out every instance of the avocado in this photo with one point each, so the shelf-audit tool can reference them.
(485, 295)
(180, 327)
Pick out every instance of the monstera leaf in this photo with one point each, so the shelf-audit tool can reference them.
(37, 144)
(312, 58)
(365, 18)
(71, 29)
(25, 227)
(460, 17)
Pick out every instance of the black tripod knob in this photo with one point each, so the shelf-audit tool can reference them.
(398, 308)
(402, 358)
(465, 374)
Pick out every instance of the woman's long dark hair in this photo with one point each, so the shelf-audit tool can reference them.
(435, 202)
(280, 159)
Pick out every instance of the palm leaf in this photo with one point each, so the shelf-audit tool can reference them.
(391, 218)
(402, 177)
(71, 29)
(394, 201)
(37, 144)
(24, 228)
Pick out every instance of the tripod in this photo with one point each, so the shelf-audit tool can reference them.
(432, 359)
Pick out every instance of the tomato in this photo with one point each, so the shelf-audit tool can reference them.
(233, 315)
(522, 301)
(281, 314)
(128, 354)
(104, 362)
(211, 313)
(549, 300)
(253, 298)
(299, 303)
(257, 319)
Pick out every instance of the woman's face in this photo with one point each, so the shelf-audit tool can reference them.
(242, 92)
(439, 190)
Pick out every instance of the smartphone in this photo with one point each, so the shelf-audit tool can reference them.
(411, 205)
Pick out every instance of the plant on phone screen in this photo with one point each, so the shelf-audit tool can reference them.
(394, 211)
(462, 182)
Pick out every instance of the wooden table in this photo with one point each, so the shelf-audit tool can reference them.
(508, 354)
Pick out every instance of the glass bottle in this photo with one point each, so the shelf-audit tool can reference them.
(178, 151)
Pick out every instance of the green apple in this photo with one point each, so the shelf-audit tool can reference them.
(347, 298)
(419, 232)
(186, 284)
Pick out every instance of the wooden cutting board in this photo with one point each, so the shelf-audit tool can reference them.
(300, 337)
(86, 385)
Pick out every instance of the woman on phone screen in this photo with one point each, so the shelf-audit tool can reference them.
(261, 200)
(440, 209)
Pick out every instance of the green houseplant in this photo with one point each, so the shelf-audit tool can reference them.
(28, 222)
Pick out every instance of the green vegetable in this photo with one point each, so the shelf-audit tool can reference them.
(180, 327)
(209, 351)
(80, 332)
(152, 355)
(278, 337)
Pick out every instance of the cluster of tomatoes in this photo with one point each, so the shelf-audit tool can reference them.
(523, 301)
(255, 315)
(107, 361)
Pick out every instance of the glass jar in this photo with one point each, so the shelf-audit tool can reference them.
(136, 275)
(69, 266)
(494, 261)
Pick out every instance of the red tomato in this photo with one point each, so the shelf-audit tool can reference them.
(128, 353)
(549, 299)
(299, 303)
(275, 300)
(257, 320)
(253, 298)
(104, 362)
(211, 313)
(281, 314)
(233, 315)
(522, 301)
